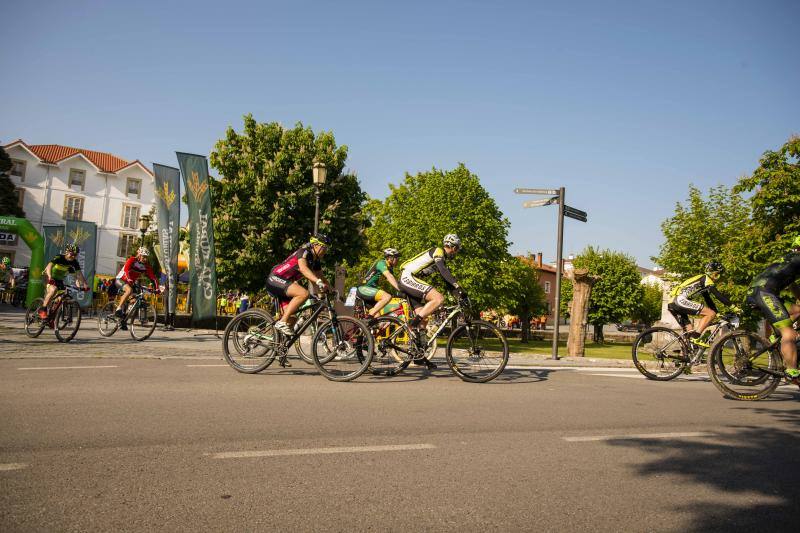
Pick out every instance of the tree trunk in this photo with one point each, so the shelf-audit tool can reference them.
(582, 284)
(525, 327)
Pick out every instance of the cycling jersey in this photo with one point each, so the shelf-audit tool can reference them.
(428, 262)
(375, 272)
(134, 268)
(289, 269)
(779, 275)
(63, 266)
(701, 285)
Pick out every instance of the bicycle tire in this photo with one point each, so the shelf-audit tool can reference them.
(387, 358)
(739, 376)
(342, 348)
(468, 368)
(69, 313)
(238, 345)
(657, 340)
(147, 316)
(33, 324)
(107, 322)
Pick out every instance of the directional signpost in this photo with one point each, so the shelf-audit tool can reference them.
(556, 197)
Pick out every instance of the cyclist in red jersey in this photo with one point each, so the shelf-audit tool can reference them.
(127, 278)
(306, 262)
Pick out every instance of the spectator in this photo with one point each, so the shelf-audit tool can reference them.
(244, 303)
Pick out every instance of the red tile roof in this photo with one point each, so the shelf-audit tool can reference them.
(54, 153)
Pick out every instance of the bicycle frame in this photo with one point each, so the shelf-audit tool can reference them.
(321, 305)
(456, 310)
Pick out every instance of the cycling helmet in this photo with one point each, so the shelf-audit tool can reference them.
(391, 252)
(144, 252)
(452, 240)
(715, 266)
(796, 243)
(72, 248)
(321, 238)
(6, 261)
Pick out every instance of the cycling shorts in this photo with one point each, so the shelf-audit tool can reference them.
(682, 304)
(770, 306)
(277, 287)
(121, 283)
(415, 288)
(369, 293)
(58, 283)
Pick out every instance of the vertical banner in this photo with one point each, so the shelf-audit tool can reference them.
(84, 234)
(168, 214)
(53, 242)
(202, 261)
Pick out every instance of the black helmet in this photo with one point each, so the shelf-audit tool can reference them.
(73, 248)
(715, 266)
(321, 238)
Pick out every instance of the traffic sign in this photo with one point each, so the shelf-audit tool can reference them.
(539, 203)
(549, 192)
(577, 214)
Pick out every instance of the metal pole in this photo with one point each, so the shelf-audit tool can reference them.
(316, 209)
(561, 193)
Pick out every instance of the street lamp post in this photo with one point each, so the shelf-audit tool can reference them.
(144, 224)
(319, 172)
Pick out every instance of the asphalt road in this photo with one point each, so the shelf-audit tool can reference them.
(119, 444)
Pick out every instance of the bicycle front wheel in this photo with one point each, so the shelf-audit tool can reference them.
(250, 341)
(68, 321)
(33, 324)
(477, 352)
(742, 366)
(342, 348)
(107, 321)
(142, 322)
(660, 354)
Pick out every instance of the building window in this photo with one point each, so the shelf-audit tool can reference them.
(20, 197)
(130, 216)
(547, 287)
(77, 178)
(73, 208)
(127, 244)
(134, 187)
(18, 168)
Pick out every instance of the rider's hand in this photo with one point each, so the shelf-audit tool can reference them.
(323, 287)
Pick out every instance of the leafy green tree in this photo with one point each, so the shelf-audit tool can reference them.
(425, 207)
(9, 201)
(648, 310)
(524, 296)
(264, 200)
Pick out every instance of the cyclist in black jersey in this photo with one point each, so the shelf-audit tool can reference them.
(764, 295)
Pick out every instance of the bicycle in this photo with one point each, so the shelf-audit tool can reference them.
(476, 351)
(341, 348)
(63, 315)
(141, 316)
(746, 366)
(661, 354)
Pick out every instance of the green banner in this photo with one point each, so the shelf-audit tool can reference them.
(168, 208)
(202, 261)
(84, 234)
(54, 241)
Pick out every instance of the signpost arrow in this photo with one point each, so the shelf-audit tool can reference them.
(577, 214)
(548, 192)
(539, 203)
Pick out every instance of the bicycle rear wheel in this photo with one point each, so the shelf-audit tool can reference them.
(68, 321)
(142, 322)
(107, 322)
(250, 341)
(342, 348)
(393, 341)
(660, 354)
(477, 352)
(33, 324)
(743, 367)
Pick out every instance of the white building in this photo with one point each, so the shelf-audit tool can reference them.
(57, 183)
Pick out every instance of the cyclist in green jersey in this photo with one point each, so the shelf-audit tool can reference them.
(370, 292)
(55, 272)
(6, 274)
(764, 295)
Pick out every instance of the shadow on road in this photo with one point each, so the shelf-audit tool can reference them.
(762, 464)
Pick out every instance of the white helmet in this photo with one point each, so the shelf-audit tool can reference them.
(143, 252)
(391, 252)
(452, 240)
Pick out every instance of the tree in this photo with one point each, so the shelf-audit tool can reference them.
(9, 199)
(648, 310)
(522, 294)
(425, 207)
(264, 201)
(617, 292)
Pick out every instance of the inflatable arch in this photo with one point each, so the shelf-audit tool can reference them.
(35, 242)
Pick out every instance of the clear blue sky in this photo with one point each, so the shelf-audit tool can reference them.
(623, 103)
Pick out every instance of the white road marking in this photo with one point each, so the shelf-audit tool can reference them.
(320, 451)
(12, 466)
(619, 376)
(64, 367)
(205, 365)
(596, 438)
(576, 368)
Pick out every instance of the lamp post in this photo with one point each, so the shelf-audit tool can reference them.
(319, 172)
(144, 224)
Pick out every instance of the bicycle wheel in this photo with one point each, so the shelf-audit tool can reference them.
(477, 352)
(660, 354)
(303, 344)
(107, 322)
(250, 341)
(142, 321)
(68, 321)
(33, 324)
(392, 346)
(342, 348)
(743, 367)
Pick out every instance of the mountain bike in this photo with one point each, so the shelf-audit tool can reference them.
(63, 315)
(476, 351)
(140, 317)
(662, 354)
(341, 348)
(303, 343)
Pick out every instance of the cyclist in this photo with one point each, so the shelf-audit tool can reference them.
(55, 272)
(764, 295)
(6, 274)
(282, 282)
(683, 305)
(425, 298)
(126, 280)
(370, 292)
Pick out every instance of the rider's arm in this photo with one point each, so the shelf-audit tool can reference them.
(391, 279)
(151, 275)
(719, 296)
(48, 270)
(126, 269)
(302, 266)
(795, 290)
(445, 272)
(81, 278)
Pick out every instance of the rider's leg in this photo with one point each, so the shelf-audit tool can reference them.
(48, 295)
(433, 300)
(707, 316)
(127, 290)
(788, 346)
(298, 295)
(382, 299)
